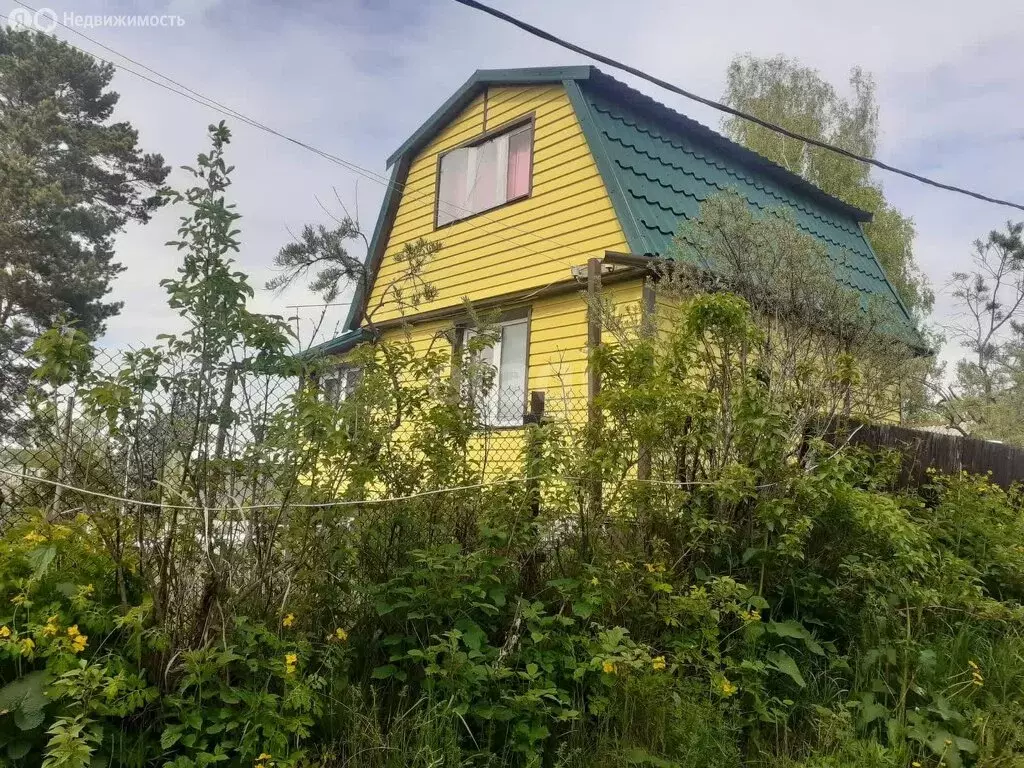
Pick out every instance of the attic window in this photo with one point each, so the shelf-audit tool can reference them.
(484, 175)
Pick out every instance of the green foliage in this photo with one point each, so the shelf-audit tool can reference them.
(775, 604)
(986, 399)
(814, 345)
(70, 179)
(785, 93)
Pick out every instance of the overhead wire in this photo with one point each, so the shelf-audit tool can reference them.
(637, 72)
(215, 105)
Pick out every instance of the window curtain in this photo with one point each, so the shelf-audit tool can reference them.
(519, 145)
(452, 189)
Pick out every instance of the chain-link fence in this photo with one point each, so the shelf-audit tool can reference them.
(120, 429)
(132, 430)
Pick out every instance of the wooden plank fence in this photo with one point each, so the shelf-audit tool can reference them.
(922, 450)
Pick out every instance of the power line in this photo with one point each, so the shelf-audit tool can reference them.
(215, 105)
(551, 38)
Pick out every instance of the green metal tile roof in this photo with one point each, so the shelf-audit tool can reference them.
(659, 166)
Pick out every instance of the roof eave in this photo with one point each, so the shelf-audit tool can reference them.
(339, 345)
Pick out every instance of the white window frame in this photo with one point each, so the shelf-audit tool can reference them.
(453, 211)
(492, 406)
(338, 384)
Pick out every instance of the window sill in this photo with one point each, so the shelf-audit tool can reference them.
(471, 216)
(500, 427)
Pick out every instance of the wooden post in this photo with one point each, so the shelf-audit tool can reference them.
(648, 328)
(532, 420)
(593, 331)
(593, 380)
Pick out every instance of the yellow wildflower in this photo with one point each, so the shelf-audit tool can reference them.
(341, 634)
(20, 599)
(52, 627)
(751, 616)
(290, 660)
(658, 662)
(288, 620)
(608, 667)
(73, 631)
(78, 643)
(726, 688)
(27, 646)
(34, 538)
(265, 756)
(5, 632)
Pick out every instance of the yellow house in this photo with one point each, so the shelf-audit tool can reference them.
(538, 181)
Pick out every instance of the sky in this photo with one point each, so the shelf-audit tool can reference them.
(356, 77)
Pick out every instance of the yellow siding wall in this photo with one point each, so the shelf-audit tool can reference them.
(556, 363)
(557, 353)
(529, 243)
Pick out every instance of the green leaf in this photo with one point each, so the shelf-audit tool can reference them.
(965, 745)
(170, 736)
(472, 635)
(796, 631)
(384, 672)
(583, 609)
(18, 749)
(871, 710)
(40, 559)
(793, 629)
(26, 699)
(782, 662)
(67, 589)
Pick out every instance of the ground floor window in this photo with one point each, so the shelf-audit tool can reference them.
(339, 384)
(502, 403)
